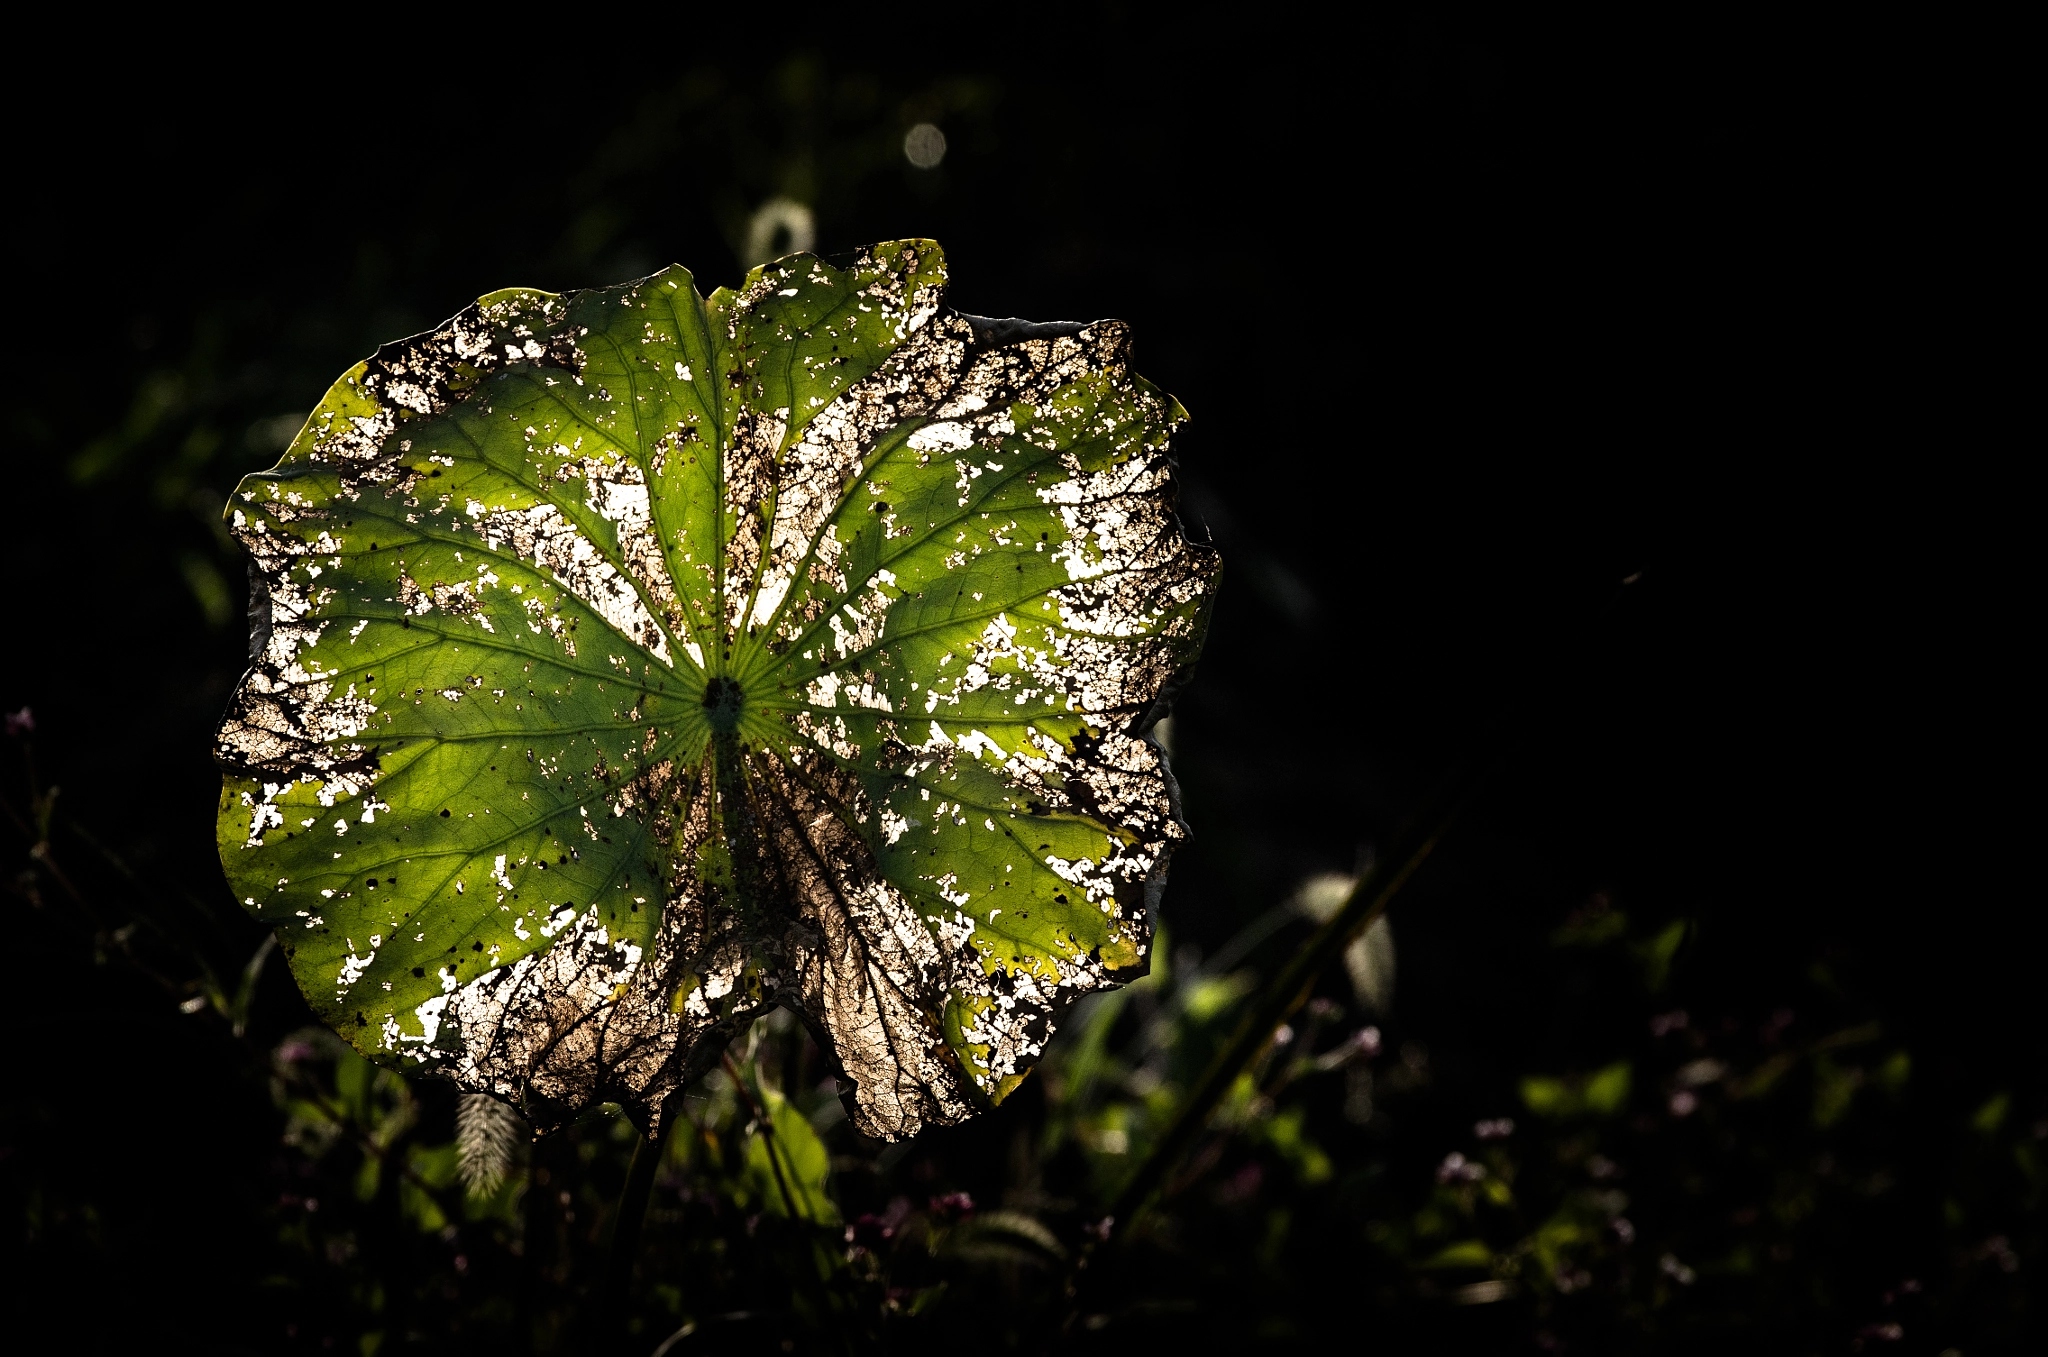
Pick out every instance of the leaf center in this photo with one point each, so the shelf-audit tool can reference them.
(723, 704)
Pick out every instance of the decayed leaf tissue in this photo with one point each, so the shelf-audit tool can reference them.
(626, 662)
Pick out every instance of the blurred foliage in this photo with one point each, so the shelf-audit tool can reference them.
(1702, 1179)
(1687, 1049)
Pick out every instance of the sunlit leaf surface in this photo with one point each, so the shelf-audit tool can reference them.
(626, 662)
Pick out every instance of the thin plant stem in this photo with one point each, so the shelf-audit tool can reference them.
(759, 1107)
(820, 1284)
(630, 1215)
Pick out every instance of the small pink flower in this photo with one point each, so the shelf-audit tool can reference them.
(952, 1204)
(1456, 1168)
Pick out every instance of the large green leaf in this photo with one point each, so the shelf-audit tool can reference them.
(627, 661)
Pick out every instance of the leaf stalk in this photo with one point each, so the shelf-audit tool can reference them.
(627, 1221)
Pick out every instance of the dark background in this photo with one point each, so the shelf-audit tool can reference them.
(1475, 316)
